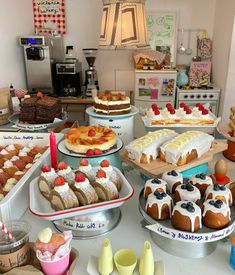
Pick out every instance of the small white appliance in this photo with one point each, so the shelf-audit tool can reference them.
(207, 94)
(153, 86)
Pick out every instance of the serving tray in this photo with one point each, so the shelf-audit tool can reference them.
(158, 167)
(41, 207)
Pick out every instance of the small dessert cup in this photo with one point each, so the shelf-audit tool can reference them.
(125, 261)
(57, 267)
(16, 252)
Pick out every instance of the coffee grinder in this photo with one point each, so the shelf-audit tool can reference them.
(91, 80)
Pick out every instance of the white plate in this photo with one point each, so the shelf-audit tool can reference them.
(90, 111)
(62, 148)
(41, 207)
(37, 127)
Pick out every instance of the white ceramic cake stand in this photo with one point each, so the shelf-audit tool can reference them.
(181, 243)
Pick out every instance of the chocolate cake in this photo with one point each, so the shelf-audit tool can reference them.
(36, 110)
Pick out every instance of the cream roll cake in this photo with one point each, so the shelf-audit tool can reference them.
(186, 216)
(216, 214)
(216, 192)
(112, 103)
(186, 147)
(153, 185)
(201, 181)
(145, 149)
(173, 179)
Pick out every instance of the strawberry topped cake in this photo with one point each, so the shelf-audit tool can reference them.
(112, 103)
(90, 140)
(66, 172)
(198, 115)
(86, 169)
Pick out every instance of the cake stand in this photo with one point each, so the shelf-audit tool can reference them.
(181, 243)
(37, 127)
(123, 125)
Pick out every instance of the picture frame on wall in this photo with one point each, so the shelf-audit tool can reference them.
(162, 27)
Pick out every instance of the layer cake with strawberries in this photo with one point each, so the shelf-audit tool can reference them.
(112, 103)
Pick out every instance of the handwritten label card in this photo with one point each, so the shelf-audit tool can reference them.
(84, 225)
(49, 16)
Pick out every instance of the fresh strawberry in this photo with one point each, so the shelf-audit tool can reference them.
(169, 106)
(45, 168)
(182, 105)
(97, 152)
(80, 177)
(89, 153)
(91, 133)
(59, 181)
(154, 107)
(198, 104)
(62, 165)
(186, 108)
(104, 163)
(172, 111)
(101, 174)
(156, 112)
(201, 108)
(84, 162)
(40, 95)
(188, 111)
(205, 112)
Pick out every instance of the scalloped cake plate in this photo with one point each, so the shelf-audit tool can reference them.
(41, 207)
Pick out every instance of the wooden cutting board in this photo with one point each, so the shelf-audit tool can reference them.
(158, 167)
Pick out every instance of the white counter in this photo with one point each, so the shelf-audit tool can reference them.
(130, 234)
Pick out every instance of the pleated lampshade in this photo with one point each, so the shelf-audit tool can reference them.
(123, 24)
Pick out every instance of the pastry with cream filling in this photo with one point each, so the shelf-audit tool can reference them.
(66, 172)
(86, 169)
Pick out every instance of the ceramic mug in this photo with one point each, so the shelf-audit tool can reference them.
(125, 261)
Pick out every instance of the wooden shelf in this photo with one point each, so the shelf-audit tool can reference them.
(157, 167)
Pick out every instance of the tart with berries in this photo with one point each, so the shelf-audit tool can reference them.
(93, 138)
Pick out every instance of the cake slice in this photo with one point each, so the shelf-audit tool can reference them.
(186, 147)
(146, 148)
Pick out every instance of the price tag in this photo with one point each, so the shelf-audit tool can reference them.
(84, 225)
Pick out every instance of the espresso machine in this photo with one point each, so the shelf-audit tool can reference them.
(41, 52)
(91, 80)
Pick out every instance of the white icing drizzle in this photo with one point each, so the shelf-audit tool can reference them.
(22, 153)
(113, 176)
(4, 152)
(184, 143)
(14, 158)
(224, 210)
(171, 180)
(62, 188)
(152, 199)
(149, 144)
(9, 184)
(155, 186)
(221, 193)
(191, 215)
(186, 195)
(207, 180)
(10, 147)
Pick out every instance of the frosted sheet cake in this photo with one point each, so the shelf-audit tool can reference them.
(186, 147)
(146, 148)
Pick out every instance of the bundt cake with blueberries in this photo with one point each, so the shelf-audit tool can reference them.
(159, 206)
(173, 179)
(201, 181)
(153, 185)
(216, 192)
(187, 192)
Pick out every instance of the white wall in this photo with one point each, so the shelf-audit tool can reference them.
(16, 18)
(83, 25)
(223, 26)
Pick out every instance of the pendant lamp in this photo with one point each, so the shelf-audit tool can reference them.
(123, 24)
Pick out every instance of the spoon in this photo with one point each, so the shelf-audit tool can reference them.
(181, 49)
(197, 57)
(189, 51)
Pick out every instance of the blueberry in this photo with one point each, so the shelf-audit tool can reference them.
(197, 176)
(156, 180)
(222, 188)
(184, 205)
(216, 187)
(164, 194)
(190, 209)
(169, 173)
(190, 188)
(212, 202)
(183, 186)
(217, 205)
(219, 202)
(189, 203)
(156, 193)
(174, 173)
(202, 176)
(159, 197)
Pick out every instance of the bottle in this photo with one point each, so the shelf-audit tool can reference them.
(232, 254)
(12, 91)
